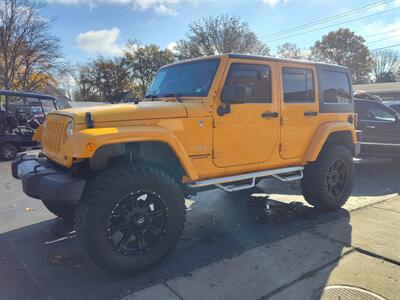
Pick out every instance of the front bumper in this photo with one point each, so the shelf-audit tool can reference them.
(43, 181)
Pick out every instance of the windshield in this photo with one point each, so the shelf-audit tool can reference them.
(48, 105)
(186, 79)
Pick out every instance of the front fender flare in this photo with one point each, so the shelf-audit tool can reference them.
(322, 134)
(84, 143)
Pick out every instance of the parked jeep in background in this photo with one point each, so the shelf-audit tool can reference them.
(123, 171)
(380, 126)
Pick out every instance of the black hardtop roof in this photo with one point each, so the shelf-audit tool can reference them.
(319, 65)
(271, 58)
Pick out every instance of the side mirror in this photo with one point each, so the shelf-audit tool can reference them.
(233, 94)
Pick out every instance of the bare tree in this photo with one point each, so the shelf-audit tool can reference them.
(385, 65)
(291, 50)
(29, 52)
(218, 35)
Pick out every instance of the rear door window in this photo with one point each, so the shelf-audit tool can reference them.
(298, 85)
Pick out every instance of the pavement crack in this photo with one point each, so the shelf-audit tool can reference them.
(374, 255)
(397, 212)
(172, 290)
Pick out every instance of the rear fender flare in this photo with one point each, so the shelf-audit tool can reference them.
(321, 136)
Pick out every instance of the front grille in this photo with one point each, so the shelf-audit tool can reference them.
(54, 134)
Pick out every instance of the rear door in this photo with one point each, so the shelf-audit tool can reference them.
(381, 130)
(299, 108)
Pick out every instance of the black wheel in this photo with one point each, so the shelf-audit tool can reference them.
(130, 218)
(328, 182)
(8, 151)
(61, 210)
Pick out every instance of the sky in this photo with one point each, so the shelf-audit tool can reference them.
(88, 28)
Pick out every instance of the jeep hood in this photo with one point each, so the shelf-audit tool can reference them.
(127, 111)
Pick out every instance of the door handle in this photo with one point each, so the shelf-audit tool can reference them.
(269, 114)
(310, 113)
(370, 127)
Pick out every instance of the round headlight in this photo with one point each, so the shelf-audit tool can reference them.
(70, 128)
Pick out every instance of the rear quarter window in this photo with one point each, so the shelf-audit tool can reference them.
(335, 87)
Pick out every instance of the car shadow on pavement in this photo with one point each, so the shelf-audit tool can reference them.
(44, 261)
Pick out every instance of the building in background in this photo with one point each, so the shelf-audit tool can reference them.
(387, 91)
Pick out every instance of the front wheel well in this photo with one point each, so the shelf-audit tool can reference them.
(155, 154)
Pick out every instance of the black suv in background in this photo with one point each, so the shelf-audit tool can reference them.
(394, 105)
(380, 126)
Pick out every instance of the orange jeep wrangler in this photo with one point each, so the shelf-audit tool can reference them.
(123, 171)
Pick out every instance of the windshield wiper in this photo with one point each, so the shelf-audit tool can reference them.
(177, 97)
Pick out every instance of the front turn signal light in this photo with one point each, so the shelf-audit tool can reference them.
(90, 147)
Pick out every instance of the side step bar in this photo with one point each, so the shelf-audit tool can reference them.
(283, 174)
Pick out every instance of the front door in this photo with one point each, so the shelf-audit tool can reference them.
(299, 109)
(247, 132)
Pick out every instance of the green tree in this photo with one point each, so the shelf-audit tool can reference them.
(345, 48)
(385, 65)
(218, 35)
(144, 61)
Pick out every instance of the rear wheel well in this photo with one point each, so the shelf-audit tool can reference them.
(156, 154)
(343, 138)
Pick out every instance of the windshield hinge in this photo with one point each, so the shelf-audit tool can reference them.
(89, 120)
(215, 123)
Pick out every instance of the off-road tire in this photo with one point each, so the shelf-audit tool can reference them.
(63, 211)
(315, 181)
(98, 203)
(8, 151)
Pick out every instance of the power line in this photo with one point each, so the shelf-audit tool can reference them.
(377, 49)
(336, 24)
(381, 40)
(331, 18)
(379, 33)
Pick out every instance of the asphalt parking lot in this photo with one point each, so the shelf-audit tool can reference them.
(40, 258)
